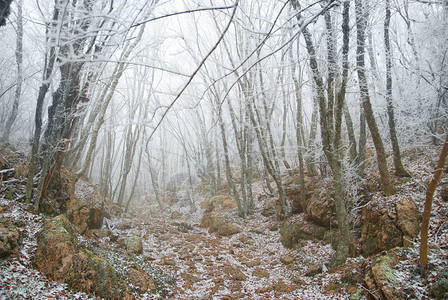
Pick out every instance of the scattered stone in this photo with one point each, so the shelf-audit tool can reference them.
(133, 244)
(439, 289)
(218, 203)
(313, 270)
(234, 273)
(268, 209)
(141, 280)
(176, 215)
(252, 263)
(9, 240)
(217, 224)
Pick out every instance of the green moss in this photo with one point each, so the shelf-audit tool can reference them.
(123, 263)
(357, 296)
(10, 194)
(386, 266)
(440, 287)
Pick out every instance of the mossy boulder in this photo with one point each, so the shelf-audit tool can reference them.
(90, 269)
(218, 224)
(295, 230)
(439, 289)
(133, 244)
(85, 215)
(218, 203)
(9, 240)
(379, 278)
(94, 275)
(321, 209)
(56, 246)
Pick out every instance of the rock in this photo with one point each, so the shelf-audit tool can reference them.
(133, 244)
(295, 230)
(94, 275)
(439, 288)
(294, 196)
(61, 258)
(408, 220)
(208, 219)
(81, 219)
(220, 202)
(141, 280)
(56, 246)
(9, 240)
(268, 209)
(314, 270)
(321, 209)
(84, 215)
(383, 230)
(217, 224)
(281, 287)
(175, 215)
(444, 192)
(253, 263)
(287, 260)
(184, 227)
(378, 231)
(380, 279)
(228, 229)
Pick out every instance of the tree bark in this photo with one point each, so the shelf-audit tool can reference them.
(428, 207)
(330, 132)
(388, 186)
(399, 168)
(19, 60)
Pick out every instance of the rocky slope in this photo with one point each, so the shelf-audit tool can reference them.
(212, 254)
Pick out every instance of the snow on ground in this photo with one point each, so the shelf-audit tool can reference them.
(252, 264)
(18, 280)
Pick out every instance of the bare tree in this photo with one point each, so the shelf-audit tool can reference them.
(388, 186)
(399, 168)
(330, 110)
(19, 60)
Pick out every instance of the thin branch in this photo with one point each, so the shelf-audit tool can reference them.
(235, 6)
(185, 12)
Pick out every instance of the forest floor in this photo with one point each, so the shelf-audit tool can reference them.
(252, 264)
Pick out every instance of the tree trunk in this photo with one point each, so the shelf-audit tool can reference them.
(19, 59)
(399, 168)
(48, 71)
(388, 186)
(331, 138)
(428, 207)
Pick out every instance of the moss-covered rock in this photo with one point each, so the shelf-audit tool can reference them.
(379, 278)
(218, 224)
(439, 289)
(94, 275)
(56, 246)
(295, 230)
(91, 269)
(9, 239)
(218, 203)
(321, 209)
(133, 244)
